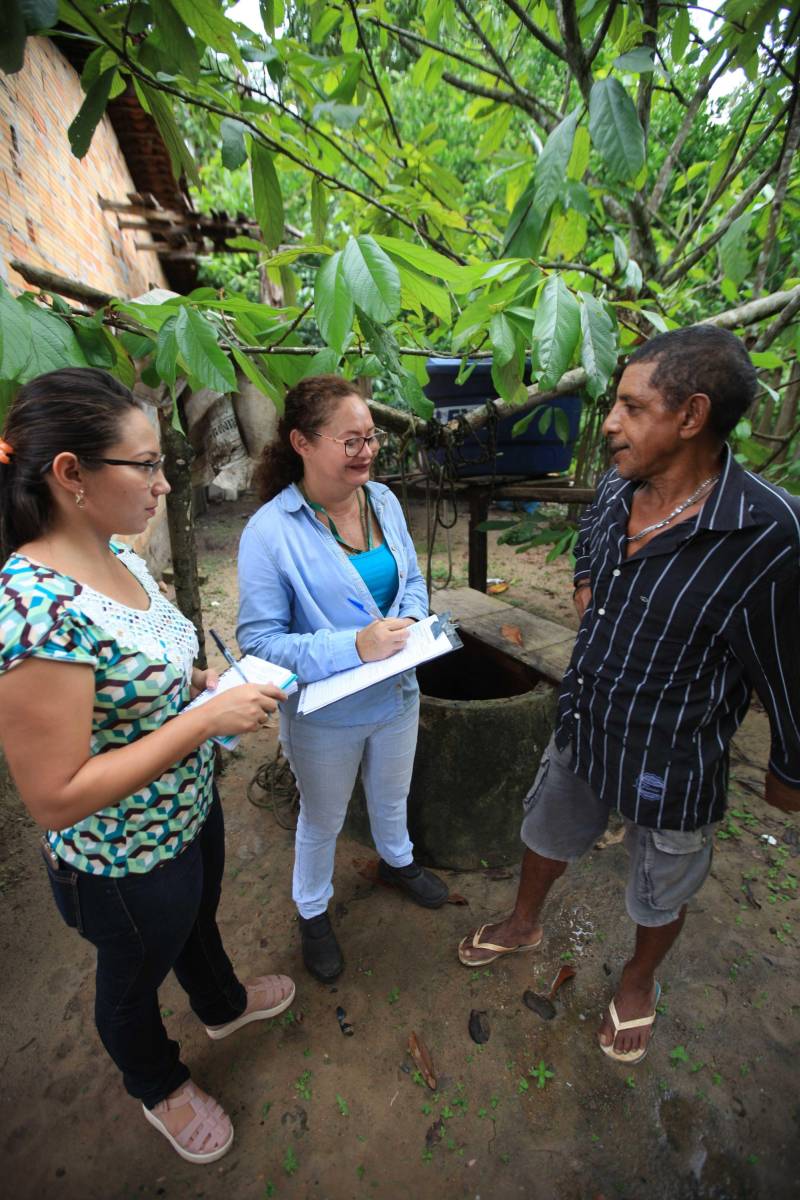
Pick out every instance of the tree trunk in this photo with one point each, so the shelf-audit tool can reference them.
(180, 519)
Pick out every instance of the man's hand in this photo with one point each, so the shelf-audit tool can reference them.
(582, 596)
(779, 795)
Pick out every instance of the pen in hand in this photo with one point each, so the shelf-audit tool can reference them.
(226, 654)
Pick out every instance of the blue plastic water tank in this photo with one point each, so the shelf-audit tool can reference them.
(531, 453)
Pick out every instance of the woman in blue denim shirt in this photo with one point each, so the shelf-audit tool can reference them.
(328, 579)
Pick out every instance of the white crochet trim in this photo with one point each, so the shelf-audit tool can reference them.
(162, 632)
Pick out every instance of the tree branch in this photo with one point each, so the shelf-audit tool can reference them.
(790, 144)
(532, 28)
(486, 43)
(573, 46)
(600, 36)
(784, 318)
(374, 73)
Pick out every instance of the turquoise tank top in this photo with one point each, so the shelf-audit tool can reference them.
(378, 569)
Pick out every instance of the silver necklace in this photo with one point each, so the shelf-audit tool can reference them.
(634, 537)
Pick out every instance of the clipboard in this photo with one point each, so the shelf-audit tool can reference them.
(428, 639)
(255, 670)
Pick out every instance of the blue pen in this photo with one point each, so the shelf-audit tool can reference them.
(226, 654)
(357, 604)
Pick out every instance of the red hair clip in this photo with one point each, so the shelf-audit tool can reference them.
(5, 452)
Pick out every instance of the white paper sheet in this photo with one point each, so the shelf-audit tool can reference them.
(255, 670)
(421, 646)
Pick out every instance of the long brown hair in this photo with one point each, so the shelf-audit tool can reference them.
(79, 409)
(306, 406)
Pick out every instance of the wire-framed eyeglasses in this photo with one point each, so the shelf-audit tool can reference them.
(354, 445)
(151, 466)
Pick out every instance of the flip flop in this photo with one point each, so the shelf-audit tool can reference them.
(475, 943)
(630, 1056)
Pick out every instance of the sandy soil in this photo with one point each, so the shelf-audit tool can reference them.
(712, 1112)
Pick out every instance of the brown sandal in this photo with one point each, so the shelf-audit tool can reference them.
(206, 1136)
(475, 943)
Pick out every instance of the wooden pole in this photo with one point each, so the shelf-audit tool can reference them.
(178, 456)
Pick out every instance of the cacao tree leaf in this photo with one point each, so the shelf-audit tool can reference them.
(615, 129)
(154, 102)
(333, 302)
(210, 24)
(681, 31)
(639, 61)
(234, 148)
(166, 362)
(551, 169)
(13, 34)
(556, 330)
(372, 277)
(38, 14)
(247, 366)
(176, 41)
(734, 258)
(599, 345)
(51, 342)
(504, 343)
(89, 115)
(267, 198)
(205, 361)
(319, 209)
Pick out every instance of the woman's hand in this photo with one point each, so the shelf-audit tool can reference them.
(382, 638)
(241, 709)
(202, 680)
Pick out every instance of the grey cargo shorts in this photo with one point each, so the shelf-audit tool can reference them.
(564, 817)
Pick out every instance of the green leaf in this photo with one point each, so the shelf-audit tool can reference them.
(620, 253)
(95, 341)
(615, 130)
(561, 425)
(38, 14)
(343, 116)
(767, 359)
(551, 169)
(523, 235)
(234, 149)
(179, 156)
(15, 336)
(429, 262)
(639, 61)
(556, 331)
(166, 362)
(176, 41)
(333, 302)
(197, 343)
(51, 342)
(568, 235)
(508, 381)
(504, 343)
(345, 90)
(599, 346)
(81, 131)
(211, 25)
(415, 398)
(248, 368)
(372, 277)
(734, 258)
(272, 14)
(13, 34)
(267, 197)
(681, 31)
(419, 288)
(247, 243)
(319, 209)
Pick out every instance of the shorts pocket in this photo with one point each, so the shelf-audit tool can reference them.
(64, 885)
(535, 790)
(677, 865)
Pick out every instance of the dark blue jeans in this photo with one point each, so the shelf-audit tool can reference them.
(144, 926)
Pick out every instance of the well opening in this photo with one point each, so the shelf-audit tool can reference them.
(476, 672)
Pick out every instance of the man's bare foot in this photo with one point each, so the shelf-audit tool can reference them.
(489, 942)
(633, 1001)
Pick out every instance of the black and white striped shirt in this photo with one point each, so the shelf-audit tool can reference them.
(674, 640)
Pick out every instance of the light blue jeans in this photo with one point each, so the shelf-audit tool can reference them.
(325, 761)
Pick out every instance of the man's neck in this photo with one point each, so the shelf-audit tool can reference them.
(664, 490)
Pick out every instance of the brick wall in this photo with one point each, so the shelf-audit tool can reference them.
(49, 211)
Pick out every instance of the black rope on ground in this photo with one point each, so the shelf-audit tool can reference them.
(274, 777)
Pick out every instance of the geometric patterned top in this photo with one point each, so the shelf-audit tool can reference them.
(142, 663)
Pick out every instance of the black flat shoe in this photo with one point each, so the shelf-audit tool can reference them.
(417, 882)
(321, 953)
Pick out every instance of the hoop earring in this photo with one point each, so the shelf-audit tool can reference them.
(80, 498)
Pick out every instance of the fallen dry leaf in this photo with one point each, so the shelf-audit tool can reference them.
(541, 1005)
(563, 975)
(421, 1056)
(434, 1133)
(456, 898)
(497, 589)
(479, 1029)
(610, 838)
(512, 633)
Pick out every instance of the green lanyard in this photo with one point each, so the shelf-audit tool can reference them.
(366, 524)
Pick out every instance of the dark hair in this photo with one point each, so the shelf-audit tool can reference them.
(306, 406)
(77, 409)
(702, 358)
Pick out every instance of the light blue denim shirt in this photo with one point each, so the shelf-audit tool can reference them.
(295, 581)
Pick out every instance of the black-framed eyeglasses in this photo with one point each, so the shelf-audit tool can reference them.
(153, 466)
(354, 445)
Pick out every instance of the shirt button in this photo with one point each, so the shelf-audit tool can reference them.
(580, 680)
(577, 716)
(616, 571)
(601, 612)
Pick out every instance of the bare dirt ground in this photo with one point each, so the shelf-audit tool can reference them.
(536, 1112)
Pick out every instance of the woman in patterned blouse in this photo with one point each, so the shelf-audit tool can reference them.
(95, 668)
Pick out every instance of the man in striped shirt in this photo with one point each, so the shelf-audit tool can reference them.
(687, 581)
